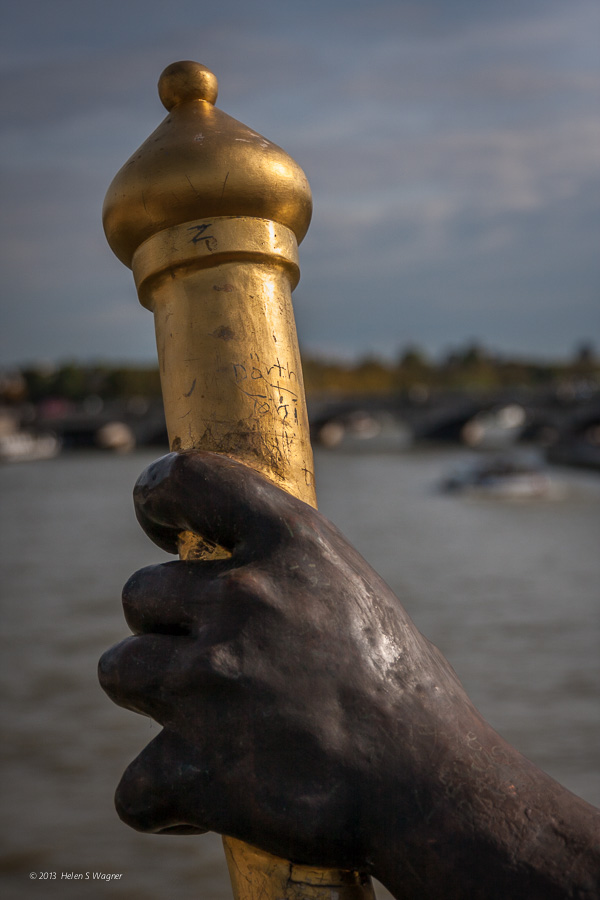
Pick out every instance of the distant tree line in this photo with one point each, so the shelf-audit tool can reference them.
(75, 382)
(471, 368)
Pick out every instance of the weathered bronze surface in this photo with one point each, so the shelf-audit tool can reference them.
(303, 710)
(208, 214)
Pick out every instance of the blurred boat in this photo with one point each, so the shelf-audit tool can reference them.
(361, 430)
(21, 446)
(503, 478)
(496, 428)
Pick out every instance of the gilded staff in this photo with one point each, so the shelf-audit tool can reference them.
(209, 215)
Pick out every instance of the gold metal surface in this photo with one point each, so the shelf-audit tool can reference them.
(229, 363)
(208, 214)
(259, 876)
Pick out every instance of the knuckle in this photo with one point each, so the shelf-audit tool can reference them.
(108, 669)
(134, 799)
(155, 474)
(221, 664)
(131, 590)
(248, 588)
(125, 676)
(136, 590)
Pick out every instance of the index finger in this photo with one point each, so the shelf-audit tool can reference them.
(218, 498)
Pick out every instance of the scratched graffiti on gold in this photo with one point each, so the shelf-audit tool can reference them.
(268, 386)
(226, 338)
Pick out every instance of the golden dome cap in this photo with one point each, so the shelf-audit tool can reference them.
(201, 163)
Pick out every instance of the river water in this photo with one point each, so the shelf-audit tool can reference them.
(508, 590)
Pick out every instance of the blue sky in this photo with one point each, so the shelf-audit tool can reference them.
(452, 147)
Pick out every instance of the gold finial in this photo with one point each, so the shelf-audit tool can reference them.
(184, 81)
(201, 163)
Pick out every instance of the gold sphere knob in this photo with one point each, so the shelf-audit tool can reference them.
(184, 81)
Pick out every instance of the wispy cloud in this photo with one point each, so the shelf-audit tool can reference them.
(452, 151)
